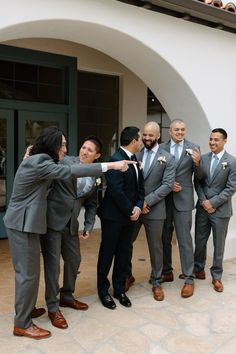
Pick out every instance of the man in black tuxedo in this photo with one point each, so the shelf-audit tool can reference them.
(121, 206)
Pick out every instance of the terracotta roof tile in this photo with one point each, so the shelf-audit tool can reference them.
(227, 6)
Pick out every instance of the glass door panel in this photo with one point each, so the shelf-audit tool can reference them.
(32, 123)
(6, 162)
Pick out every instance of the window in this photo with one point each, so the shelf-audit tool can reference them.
(156, 113)
(98, 108)
(20, 81)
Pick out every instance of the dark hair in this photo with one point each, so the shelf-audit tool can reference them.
(48, 142)
(96, 140)
(128, 134)
(221, 131)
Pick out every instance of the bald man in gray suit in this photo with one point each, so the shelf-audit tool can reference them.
(179, 206)
(159, 173)
(215, 188)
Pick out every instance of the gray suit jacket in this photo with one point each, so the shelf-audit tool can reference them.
(27, 208)
(184, 200)
(220, 188)
(158, 183)
(64, 206)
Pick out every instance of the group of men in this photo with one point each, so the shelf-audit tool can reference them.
(154, 189)
(170, 171)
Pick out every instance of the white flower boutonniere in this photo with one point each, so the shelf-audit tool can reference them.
(161, 159)
(98, 181)
(140, 165)
(224, 165)
(189, 152)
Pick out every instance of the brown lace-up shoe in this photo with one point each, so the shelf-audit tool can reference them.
(128, 282)
(58, 320)
(200, 275)
(187, 290)
(32, 331)
(158, 293)
(167, 277)
(37, 312)
(218, 286)
(74, 304)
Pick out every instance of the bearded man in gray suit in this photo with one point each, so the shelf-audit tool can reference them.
(64, 204)
(159, 173)
(26, 218)
(179, 206)
(215, 188)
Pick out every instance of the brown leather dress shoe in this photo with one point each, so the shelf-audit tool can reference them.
(218, 286)
(74, 304)
(58, 320)
(167, 277)
(158, 293)
(200, 275)
(181, 276)
(128, 282)
(37, 312)
(187, 290)
(33, 332)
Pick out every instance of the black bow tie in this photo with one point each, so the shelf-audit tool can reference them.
(133, 157)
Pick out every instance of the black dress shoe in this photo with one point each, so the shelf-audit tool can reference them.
(107, 301)
(124, 300)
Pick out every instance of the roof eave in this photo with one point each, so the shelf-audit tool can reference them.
(191, 10)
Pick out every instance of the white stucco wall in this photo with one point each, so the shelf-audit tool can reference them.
(190, 68)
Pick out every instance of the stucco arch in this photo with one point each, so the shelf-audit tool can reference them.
(187, 66)
(125, 45)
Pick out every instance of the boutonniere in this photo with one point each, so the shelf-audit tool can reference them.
(224, 165)
(140, 165)
(161, 159)
(98, 181)
(189, 152)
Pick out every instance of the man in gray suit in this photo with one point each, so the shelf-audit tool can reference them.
(26, 220)
(179, 206)
(64, 204)
(159, 173)
(215, 187)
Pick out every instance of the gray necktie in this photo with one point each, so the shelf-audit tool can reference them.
(147, 163)
(176, 152)
(81, 183)
(214, 165)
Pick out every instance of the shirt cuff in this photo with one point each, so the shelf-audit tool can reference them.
(104, 167)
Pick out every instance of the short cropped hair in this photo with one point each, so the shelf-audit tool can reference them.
(97, 142)
(221, 131)
(128, 134)
(48, 142)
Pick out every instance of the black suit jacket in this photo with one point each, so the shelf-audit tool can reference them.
(124, 192)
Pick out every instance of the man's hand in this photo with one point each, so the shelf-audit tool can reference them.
(120, 165)
(146, 208)
(196, 156)
(176, 187)
(206, 204)
(85, 235)
(135, 214)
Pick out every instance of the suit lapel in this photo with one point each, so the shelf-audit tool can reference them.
(219, 166)
(126, 157)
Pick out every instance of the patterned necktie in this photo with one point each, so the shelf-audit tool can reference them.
(84, 185)
(214, 165)
(176, 152)
(147, 163)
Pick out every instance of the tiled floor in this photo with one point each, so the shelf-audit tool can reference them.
(202, 324)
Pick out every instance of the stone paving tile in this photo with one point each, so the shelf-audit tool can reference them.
(202, 324)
